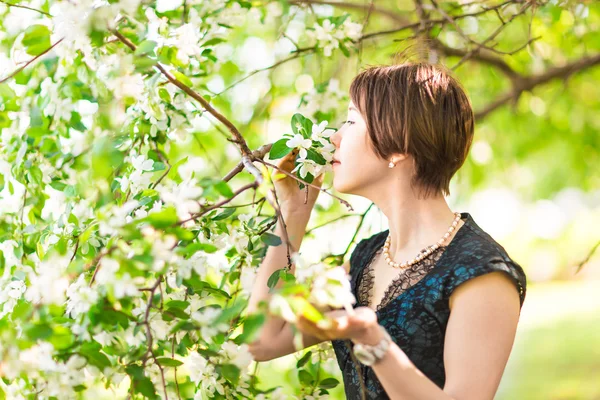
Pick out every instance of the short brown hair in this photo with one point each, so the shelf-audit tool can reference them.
(420, 109)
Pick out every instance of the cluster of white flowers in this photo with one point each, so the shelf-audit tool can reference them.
(184, 197)
(121, 286)
(10, 292)
(138, 179)
(325, 100)
(328, 36)
(202, 372)
(59, 107)
(330, 286)
(80, 297)
(206, 318)
(54, 379)
(48, 283)
(321, 135)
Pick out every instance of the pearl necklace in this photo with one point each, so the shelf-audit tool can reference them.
(423, 254)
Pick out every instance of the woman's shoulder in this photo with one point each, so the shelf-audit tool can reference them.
(476, 253)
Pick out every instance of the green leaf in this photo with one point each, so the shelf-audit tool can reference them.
(304, 359)
(252, 326)
(183, 79)
(212, 42)
(223, 188)
(344, 49)
(229, 372)
(270, 239)
(36, 39)
(297, 120)
(158, 166)
(279, 149)
(305, 377)
(168, 362)
(307, 125)
(177, 304)
(224, 215)
(91, 351)
(328, 383)
(58, 185)
(175, 312)
(147, 46)
(316, 157)
(162, 219)
(274, 278)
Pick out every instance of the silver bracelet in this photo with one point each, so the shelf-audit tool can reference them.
(369, 355)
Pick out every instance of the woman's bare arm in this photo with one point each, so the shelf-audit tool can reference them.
(276, 336)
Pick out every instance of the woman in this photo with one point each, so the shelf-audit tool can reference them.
(435, 293)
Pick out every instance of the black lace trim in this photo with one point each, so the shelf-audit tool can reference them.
(405, 279)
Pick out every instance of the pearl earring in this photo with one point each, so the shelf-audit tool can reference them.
(391, 165)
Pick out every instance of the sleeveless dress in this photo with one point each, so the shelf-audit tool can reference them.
(414, 309)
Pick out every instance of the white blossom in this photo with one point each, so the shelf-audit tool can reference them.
(299, 141)
(80, 297)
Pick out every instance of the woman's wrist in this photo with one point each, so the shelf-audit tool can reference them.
(371, 335)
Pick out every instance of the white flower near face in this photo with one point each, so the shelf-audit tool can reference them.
(299, 141)
(320, 133)
(332, 288)
(80, 297)
(307, 166)
(327, 151)
(239, 356)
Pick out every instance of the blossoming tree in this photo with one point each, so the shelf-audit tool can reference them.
(127, 254)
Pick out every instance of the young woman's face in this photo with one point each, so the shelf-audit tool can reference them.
(359, 167)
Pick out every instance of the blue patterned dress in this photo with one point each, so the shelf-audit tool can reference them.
(414, 309)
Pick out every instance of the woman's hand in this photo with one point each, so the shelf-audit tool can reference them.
(290, 196)
(361, 326)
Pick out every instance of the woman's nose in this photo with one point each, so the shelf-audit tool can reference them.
(335, 138)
